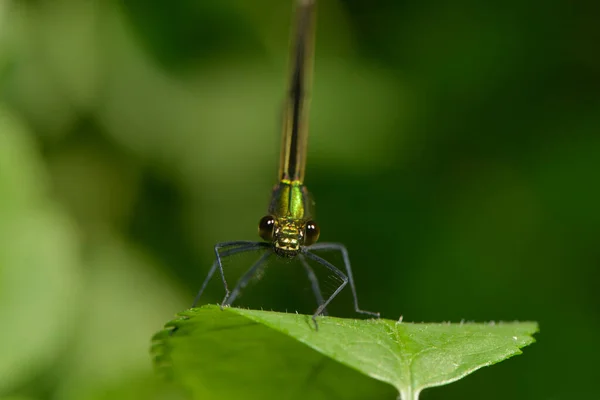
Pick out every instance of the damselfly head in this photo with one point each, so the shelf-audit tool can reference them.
(288, 235)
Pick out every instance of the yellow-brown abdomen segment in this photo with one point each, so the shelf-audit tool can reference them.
(295, 123)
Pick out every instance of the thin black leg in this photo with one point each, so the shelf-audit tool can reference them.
(246, 278)
(341, 248)
(336, 271)
(219, 246)
(244, 246)
(314, 282)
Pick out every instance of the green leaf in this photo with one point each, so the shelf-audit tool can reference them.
(237, 353)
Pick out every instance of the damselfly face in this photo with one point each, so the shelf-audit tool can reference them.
(288, 235)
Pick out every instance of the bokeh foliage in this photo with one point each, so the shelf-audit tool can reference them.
(454, 149)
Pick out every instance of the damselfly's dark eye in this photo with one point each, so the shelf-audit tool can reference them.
(311, 234)
(265, 227)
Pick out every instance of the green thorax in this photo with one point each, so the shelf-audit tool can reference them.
(291, 199)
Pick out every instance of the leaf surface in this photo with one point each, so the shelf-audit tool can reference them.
(242, 353)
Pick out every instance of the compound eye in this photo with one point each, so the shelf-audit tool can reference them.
(311, 234)
(265, 227)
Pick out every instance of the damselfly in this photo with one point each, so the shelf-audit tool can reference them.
(288, 230)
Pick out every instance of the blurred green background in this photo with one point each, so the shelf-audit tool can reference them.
(454, 149)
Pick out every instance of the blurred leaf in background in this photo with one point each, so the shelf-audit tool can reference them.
(453, 149)
(38, 261)
(81, 298)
